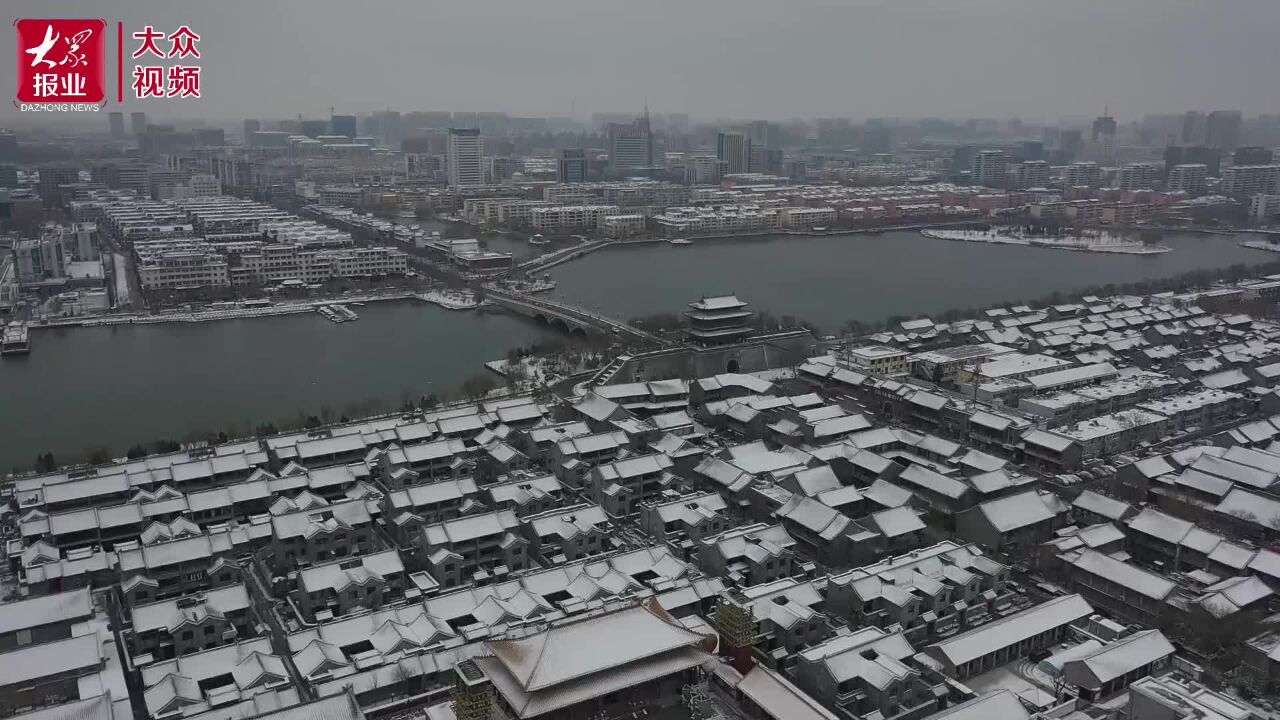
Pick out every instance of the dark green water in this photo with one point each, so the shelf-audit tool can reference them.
(832, 279)
(116, 386)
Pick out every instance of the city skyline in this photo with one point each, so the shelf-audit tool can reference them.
(1046, 61)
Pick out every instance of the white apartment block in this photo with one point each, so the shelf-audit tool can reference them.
(1137, 176)
(990, 168)
(347, 196)
(464, 160)
(273, 263)
(805, 217)
(1250, 179)
(1034, 174)
(1082, 173)
(1188, 178)
(569, 195)
(571, 217)
(719, 219)
(180, 264)
(1264, 207)
(305, 232)
(518, 212)
(622, 226)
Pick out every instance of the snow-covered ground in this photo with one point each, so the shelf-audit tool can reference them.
(1099, 242)
(1261, 245)
(451, 299)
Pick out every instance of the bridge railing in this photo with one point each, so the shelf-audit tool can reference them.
(574, 312)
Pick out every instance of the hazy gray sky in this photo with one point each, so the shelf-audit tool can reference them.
(711, 58)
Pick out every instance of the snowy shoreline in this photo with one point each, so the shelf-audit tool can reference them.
(1077, 244)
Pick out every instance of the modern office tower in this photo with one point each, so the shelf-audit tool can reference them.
(313, 128)
(498, 169)
(1211, 158)
(734, 149)
(251, 126)
(209, 137)
(1252, 155)
(573, 165)
(390, 128)
(1188, 178)
(1222, 129)
(1031, 150)
(1071, 142)
(630, 146)
(1103, 125)
(1193, 128)
(463, 158)
(116, 121)
(52, 178)
(877, 137)
(137, 123)
(990, 168)
(342, 125)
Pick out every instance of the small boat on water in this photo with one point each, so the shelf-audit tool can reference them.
(345, 312)
(537, 240)
(16, 339)
(680, 241)
(330, 314)
(820, 228)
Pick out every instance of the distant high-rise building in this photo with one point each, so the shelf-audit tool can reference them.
(251, 126)
(498, 169)
(209, 137)
(52, 178)
(1071, 142)
(8, 147)
(1031, 150)
(390, 129)
(137, 123)
(734, 149)
(877, 137)
(342, 125)
(313, 128)
(962, 157)
(573, 165)
(464, 163)
(8, 175)
(630, 146)
(116, 122)
(1188, 178)
(1193, 128)
(1222, 129)
(1252, 155)
(990, 168)
(1103, 125)
(1211, 158)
